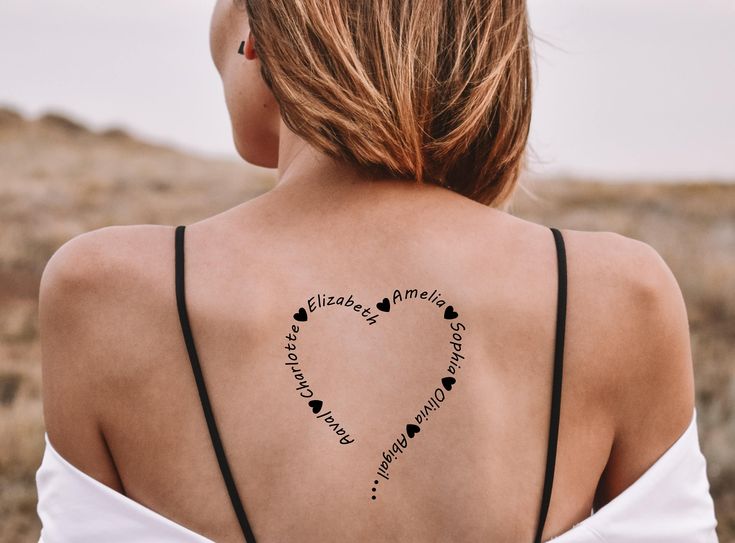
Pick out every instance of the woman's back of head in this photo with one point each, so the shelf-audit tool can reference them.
(430, 91)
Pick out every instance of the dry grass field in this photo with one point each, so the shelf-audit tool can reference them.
(59, 179)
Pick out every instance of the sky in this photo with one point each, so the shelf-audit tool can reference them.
(623, 89)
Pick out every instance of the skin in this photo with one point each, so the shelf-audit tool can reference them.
(121, 405)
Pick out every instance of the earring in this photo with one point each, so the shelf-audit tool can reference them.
(242, 48)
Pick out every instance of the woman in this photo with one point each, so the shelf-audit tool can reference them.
(374, 350)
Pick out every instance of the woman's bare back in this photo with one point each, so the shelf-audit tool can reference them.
(475, 470)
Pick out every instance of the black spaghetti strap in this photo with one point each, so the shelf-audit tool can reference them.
(561, 314)
(203, 396)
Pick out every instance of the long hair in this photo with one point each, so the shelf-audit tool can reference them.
(435, 91)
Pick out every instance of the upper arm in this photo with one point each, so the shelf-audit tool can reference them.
(72, 292)
(653, 385)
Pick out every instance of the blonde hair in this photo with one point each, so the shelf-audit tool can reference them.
(437, 91)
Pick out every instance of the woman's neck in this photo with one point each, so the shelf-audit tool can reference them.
(310, 175)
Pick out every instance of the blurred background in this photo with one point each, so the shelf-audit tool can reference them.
(112, 113)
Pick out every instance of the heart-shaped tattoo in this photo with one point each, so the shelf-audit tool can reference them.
(447, 382)
(384, 305)
(450, 313)
(412, 430)
(436, 397)
(316, 406)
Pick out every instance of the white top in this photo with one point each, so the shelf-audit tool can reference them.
(669, 503)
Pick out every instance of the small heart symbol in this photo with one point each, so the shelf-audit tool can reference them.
(301, 315)
(384, 305)
(412, 430)
(450, 313)
(316, 406)
(448, 382)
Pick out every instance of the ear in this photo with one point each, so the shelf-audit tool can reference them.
(250, 52)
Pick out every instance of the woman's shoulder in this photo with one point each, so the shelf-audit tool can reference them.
(98, 304)
(84, 263)
(107, 286)
(603, 266)
(102, 296)
(634, 313)
(627, 345)
(93, 250)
